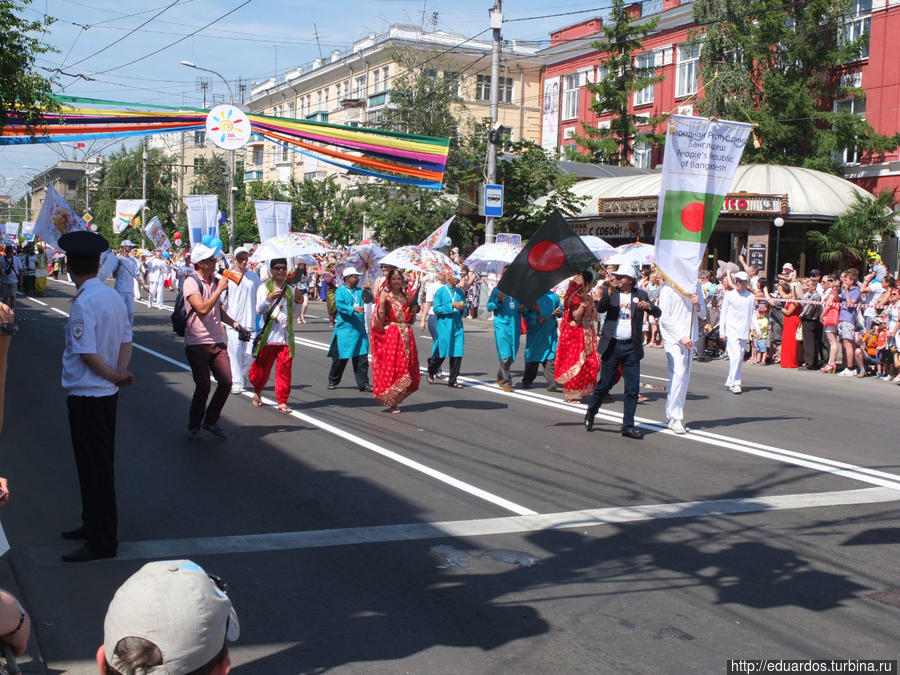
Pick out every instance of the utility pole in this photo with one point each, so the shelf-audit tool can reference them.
(496, 24)
(144, 190)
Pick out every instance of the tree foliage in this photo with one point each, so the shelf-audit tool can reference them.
(773, 64)
(322, 207)
(121, 178)
(622, 42)
(22, 88)
(858, 230)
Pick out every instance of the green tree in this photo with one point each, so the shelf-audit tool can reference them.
(858, 230)
(622, 41)
(324, 208)
(527, 173)
(772, 63)
(121, 178)
(22, 88)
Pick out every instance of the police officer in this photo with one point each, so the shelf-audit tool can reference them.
(95, 365)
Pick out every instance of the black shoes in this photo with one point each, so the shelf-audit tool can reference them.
(77, 533)
(86, 553)
(366, 388)
(589, 422)
(633, 433)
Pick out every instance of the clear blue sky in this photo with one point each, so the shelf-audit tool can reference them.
(256, 41)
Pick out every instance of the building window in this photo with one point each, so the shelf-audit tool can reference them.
(285, 153)
(346, 90)
(570, 96)
(376, 80)
(483, 88)
(851, 154)
(289, 110)
(385, 78)
(429, 72)
(688, 70)
(644, 61)
(257, 155)
(200, 137)
(198, 163)
(359, 87)
(858, 23)
(641, 153)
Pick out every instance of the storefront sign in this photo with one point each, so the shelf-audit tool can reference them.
(741, 203)
(754, 203)
(756, 255)
(630, 231)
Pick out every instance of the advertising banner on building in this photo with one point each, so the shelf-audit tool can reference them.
(203, 216)
(701, 157)
(550, 115)
(272, 218)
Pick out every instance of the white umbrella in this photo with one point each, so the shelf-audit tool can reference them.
(492, 258)
(598, 247)
(291, 245)
(635, 254)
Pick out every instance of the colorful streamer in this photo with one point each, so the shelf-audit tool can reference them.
(390, 155)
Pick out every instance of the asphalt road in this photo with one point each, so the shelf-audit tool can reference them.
(479, 531)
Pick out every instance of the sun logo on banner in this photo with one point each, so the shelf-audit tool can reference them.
(228, 127)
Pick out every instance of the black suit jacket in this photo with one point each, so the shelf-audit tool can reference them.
(612, 305)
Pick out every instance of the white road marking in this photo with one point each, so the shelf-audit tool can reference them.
(285, 541)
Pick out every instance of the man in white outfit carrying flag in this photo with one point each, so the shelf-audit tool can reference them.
(240, 303)
(700, 159)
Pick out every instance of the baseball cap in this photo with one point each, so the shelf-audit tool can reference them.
(787, 266)
(815, 273)
(741, 275)
(127, 242)
(178, 607)
(241, 249)
(349, 272)
(201, 252)
(624, 271)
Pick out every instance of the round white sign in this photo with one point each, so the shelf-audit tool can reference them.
(228, 127)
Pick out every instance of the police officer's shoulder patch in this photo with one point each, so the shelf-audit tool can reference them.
(77, 328)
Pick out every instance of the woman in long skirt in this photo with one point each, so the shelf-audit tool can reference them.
(577, 361)
(395, 362)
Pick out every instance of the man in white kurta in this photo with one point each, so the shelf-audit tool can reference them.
(157, 272)
(240, 303)
(735, 321)
(678, 325)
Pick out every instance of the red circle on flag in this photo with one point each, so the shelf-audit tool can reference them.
(546, 256)
(692, 216)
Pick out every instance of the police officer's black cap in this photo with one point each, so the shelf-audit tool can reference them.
(83, 243)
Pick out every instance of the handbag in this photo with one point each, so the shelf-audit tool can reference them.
(830, 316)
(258, 338)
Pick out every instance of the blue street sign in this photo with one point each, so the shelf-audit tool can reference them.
(493, 201)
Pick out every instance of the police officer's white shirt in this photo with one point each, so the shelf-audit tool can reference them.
(124, 280)
(240, 300)
(98, 324)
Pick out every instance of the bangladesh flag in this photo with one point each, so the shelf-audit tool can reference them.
(700, 159)
(552, 254)
(689, 216)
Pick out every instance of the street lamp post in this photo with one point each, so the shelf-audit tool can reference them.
(778, 223)
(231, 187)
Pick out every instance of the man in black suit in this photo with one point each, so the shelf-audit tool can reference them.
(621, 341)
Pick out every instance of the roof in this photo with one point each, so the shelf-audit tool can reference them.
(588, 170)
(812, 195)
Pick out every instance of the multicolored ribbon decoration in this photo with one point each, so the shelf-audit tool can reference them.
(390, 155)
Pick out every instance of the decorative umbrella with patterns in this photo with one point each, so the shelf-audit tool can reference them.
(635, 254)
(492, 258)
(420, 259)
(598, 247)
(291, 245)
(366, 254)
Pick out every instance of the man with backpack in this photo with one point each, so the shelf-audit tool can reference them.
(204, 342)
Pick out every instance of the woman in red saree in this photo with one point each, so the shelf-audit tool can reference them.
(395, 361)
(577, 362)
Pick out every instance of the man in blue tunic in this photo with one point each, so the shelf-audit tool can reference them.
(541, 337)
(449, 308)
(349, 340)
(507, 329)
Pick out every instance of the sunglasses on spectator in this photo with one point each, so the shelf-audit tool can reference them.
(279, 267)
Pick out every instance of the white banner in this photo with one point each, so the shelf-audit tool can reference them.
(56, 218)
(126, 211)
(27, 227)
(12, 229)
(438, 238)
(203, 215)
(550, 115)
(157, 234)
(700, 159)
(272, 218)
